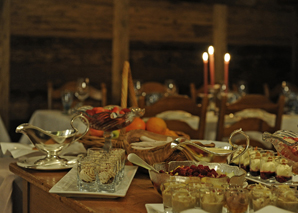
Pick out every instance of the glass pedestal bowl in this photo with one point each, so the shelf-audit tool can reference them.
(109, 121)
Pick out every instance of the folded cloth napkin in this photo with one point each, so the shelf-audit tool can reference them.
(149, 143)
(17, 150)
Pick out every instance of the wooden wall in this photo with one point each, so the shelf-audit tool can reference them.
(62, 40)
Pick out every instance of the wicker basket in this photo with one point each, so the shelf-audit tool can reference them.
(158, 154)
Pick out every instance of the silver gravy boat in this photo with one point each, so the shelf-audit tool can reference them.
(52, 142)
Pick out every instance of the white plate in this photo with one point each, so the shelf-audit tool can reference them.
(271, 209)
(67, 186)
(28, 163)
(158, 208)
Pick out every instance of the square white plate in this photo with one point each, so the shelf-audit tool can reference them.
(272, 209)
(67, 186)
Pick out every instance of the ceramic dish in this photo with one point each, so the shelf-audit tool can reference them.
(67, 186)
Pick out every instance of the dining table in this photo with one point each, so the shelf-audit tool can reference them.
(36, 196)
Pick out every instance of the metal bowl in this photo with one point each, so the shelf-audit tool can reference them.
(158, 178)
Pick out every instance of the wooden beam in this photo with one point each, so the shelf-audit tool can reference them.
(220, 13)
(294, 65)
(120, 46)
(4, 59)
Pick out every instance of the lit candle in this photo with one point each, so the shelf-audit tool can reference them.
(205, 60)
(211, 64)
(227, 58)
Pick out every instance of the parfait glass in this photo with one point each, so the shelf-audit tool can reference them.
(109, 121)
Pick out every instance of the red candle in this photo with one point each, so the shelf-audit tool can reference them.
(211, 64)
(205, 60)
(227, 58)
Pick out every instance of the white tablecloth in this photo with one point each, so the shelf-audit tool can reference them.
(6, 186)
(4, 137)
(52, 120)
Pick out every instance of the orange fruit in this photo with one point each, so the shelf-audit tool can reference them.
(95, 132)
(169, 132)
(137, 123)
(156, 125)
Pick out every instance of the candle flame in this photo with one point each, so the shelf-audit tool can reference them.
(205, 56)
(210, 50)
(227, 57)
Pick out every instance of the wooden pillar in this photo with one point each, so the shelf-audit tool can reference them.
(294, 66)
(4, 59)
(120, 51)
(220, 14)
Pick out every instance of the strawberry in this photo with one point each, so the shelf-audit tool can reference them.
(90, 112)
(126, 110)
(98, 109)
(116, 109)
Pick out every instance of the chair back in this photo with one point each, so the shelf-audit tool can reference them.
(153, 87)
(249, 123)
(94, 94)
(183, 103)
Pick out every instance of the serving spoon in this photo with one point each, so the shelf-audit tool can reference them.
(135, 159)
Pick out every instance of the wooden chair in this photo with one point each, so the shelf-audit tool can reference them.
(99, 96)
(250, 101)
(183, 103)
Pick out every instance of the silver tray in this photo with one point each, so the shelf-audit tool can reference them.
(270, 182)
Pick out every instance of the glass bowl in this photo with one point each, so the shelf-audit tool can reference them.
(108, 120)
(235, 175)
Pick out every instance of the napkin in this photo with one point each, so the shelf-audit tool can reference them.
(149, 143)
(17, 150)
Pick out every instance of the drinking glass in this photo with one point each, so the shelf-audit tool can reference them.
(137, 86)
(171, 87)
(67, 99)
(242, 88)
(82, 92)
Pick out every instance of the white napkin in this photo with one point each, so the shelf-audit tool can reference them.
(18, 150)
(149, 143)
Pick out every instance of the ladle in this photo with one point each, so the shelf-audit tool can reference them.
(135, 159)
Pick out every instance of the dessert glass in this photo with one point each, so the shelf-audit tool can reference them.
(267, 166)
(237, 200)
(283, 170)
(212, 199)
(107, 176)
(167, 190)
(254, 164)
(182, 199)
(286, 198)
(86, 174)
(194, 188)
(261, 197)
